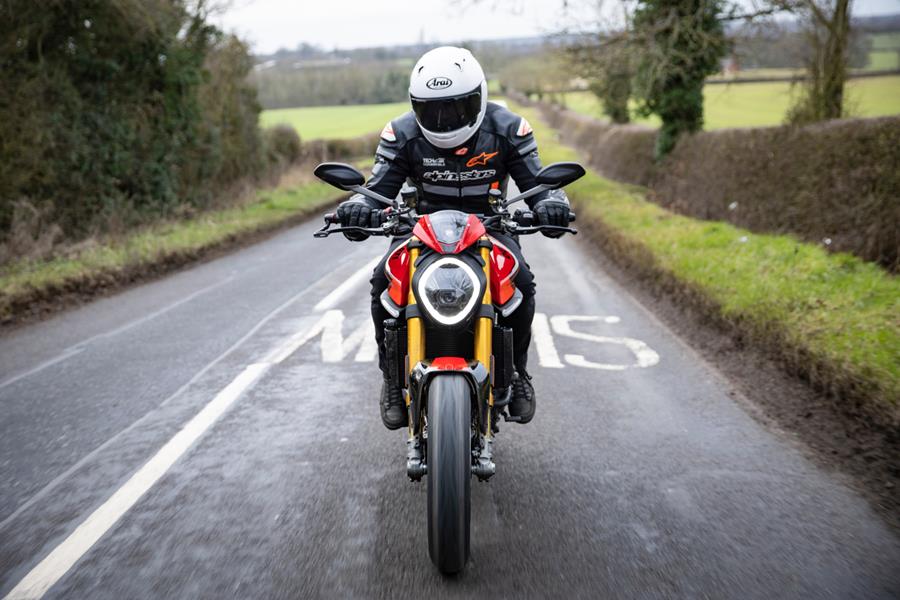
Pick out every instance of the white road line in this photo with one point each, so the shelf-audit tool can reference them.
(80, 346)
(45, 491)
(64, 355)
(42, 577)
(548, 357)
(332, 299)
(55, 565)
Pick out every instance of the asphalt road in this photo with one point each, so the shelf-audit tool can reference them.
(195, 438)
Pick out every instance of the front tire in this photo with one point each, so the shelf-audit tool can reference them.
(449, 471)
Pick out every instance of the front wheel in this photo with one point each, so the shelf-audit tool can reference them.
(449, 471)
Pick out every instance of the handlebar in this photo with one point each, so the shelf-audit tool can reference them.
(522, 222)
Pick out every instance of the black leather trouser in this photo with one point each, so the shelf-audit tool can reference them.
(519, 320)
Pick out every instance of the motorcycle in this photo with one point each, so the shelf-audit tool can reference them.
(444, 348)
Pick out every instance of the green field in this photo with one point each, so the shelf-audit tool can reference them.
(759, 104)
(883, 60)
(886, 40)
(334, 122)
(885, 53)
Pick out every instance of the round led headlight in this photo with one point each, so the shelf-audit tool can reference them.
(448, 290)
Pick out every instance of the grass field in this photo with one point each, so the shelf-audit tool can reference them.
(758, 104)
(885, 52)
(886, 40)
(334, 122)
(833, 315)
(883, 60)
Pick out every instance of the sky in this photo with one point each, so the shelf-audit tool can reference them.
(272, 24)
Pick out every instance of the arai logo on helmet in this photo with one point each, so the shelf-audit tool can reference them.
(438, 83)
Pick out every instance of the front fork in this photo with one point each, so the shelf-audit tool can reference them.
(484, 466)
(415, 344)
(484, 328)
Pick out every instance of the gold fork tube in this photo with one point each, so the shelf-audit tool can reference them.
(484, 329)
(415, 332)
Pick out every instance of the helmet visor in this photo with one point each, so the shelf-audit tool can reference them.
(443, 115)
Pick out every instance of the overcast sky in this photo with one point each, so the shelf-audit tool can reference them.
(272, 24)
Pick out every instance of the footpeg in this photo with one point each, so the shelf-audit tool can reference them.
(510, 419)
(415, 466)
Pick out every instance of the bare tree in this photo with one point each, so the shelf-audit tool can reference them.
(828, 32)
(601, 52)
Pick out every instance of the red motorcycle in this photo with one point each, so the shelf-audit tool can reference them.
(448, 282)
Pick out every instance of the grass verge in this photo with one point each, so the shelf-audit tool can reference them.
(831, 318)
(29, 288)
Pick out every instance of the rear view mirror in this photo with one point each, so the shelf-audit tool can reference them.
(340, 175)
(559, 174)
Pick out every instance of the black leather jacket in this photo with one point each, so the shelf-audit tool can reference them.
(458, 178)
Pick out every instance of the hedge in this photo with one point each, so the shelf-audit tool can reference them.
(834, 183)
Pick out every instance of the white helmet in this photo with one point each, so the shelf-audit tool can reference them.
(448, 92)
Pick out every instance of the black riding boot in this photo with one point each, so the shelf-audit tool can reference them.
(393, 408)
(522, 405)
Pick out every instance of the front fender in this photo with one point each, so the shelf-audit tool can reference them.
(475, 373)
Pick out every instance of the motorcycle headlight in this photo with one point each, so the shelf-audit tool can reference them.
(448, 290)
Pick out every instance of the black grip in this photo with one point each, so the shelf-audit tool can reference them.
(331, 218)
(525, 218)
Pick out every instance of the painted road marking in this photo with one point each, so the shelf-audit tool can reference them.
(562, 324)
(62, 558)
(334, 347)
(336, 295)
(543, 342)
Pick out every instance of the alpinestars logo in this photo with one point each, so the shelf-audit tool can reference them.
(481, 159)
(463, 176)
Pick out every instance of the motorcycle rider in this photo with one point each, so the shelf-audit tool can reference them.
(454, 146)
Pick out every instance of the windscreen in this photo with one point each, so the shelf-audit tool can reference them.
(448, 226)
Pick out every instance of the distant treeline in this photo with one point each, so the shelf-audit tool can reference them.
(774, 46)
(116, 111)
(309, 76)
(331, 82)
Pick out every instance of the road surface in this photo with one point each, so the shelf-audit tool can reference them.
(215, 434)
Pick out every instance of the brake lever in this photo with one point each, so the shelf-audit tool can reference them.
(332, 219)
(325, 231)
(518, 230)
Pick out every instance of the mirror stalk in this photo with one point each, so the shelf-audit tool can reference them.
(528, 194)
(372, 194)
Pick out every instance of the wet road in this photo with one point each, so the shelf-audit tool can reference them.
(215, 435)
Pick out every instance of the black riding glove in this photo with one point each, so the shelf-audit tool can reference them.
(552, 212)
(357, 213)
